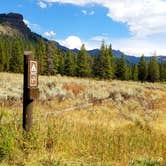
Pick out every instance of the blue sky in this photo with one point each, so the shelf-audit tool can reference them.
(135, 27)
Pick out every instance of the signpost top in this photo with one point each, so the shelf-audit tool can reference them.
(28, 53)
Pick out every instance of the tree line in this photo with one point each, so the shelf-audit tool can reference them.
(53, 60)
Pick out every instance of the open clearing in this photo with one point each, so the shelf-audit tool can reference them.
(84, 122)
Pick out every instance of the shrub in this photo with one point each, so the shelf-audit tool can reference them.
(6, 142)
(143, 161)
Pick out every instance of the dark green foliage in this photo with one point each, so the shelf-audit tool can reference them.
(112, 61)
(121, 68)
(41, 56)
(69, 64)
(83, 64)
(142, 69)
(162, 68)
(103, 65)
(16, 60)
(153, 70)
(6, 142)
(61, 67)
(53, 60)
(129, 72)
(135, 73)
(8, 51)
(143, 161)
(2, 56)
(11, 53)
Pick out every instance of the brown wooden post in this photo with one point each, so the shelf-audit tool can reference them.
(30, 91)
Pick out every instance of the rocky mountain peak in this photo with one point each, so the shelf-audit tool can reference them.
(15, 22)
(11, 16)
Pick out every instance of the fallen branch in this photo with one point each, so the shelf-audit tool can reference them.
(79, 108)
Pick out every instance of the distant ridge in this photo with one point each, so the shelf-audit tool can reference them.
(117, 53)
(129, 58)
(12, 24)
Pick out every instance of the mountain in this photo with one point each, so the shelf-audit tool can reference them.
(12, 24)
(117, 53)
(129, 58)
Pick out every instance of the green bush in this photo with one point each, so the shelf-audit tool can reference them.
(6, 142)
(146, 162)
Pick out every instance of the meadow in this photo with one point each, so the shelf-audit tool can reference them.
(84, 122)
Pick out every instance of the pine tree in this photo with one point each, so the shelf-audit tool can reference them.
(69, 64)
(2, 56)
(153, 70)
(112, 61)
(121, 68)
(95, 67)
(56, 60)
(135, 73)
(83, 65)
(163, 71)
(61, 63)
(142, 69)
(8, 52)
(16, 61)
(103, 62)
(128, 72)
(41, 56)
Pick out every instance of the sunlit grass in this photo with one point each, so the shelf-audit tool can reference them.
(129, 129)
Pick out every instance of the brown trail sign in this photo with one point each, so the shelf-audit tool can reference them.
(33, 78)
(30, 91)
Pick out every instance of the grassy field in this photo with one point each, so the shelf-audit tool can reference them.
(84, 122)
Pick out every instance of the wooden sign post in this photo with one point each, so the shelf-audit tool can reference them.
(30, 91)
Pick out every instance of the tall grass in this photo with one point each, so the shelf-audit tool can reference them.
(80, 139)
(127, 130)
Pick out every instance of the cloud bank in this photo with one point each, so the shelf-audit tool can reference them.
(85, 12)
(32, 26)
(42, 4)
(50, 34)
(71, 42)
(143, 17)
(145, 20)
(130, 46)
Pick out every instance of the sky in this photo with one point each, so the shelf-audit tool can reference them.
(135, 27)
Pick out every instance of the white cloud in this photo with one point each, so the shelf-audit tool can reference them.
(136, 46)
(50, 34)
(99, 38)
(130, 46)
(71, 42)
(84, 12)
(144, 17)
(32, 26)
(75, 42)
(42, 4)
(75, 2)
(27, 22)
(92, 13)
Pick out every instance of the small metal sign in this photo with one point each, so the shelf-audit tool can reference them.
(33, 74)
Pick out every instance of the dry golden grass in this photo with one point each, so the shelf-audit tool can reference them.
(122, 125)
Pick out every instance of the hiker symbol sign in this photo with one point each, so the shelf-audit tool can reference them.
(33, 74)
